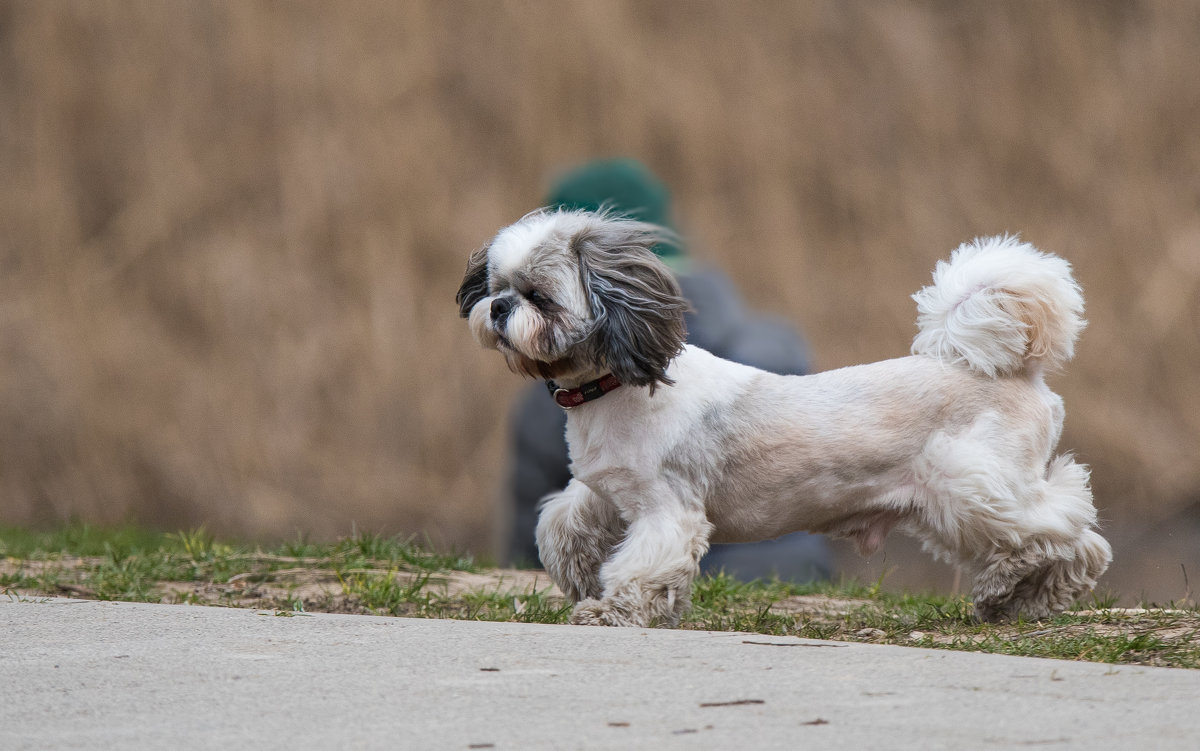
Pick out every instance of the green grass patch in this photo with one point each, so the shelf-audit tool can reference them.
(396, 576)
(131, 564)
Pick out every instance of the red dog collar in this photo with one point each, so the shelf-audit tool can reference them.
(568, 398)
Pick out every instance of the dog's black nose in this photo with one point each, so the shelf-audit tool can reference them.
(501, 307)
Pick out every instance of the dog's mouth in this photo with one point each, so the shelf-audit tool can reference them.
(534, 367)
(506, 345)
(518, 361)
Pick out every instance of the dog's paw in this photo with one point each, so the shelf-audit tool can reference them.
(1008, 610)
(992, 611)
(600, 613)
(592, 612)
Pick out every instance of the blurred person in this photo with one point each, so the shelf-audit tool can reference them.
(719, 323)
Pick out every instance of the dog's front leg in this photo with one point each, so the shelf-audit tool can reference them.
(576, 533)
(648, 581)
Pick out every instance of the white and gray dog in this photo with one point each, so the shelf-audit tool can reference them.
(673, 448)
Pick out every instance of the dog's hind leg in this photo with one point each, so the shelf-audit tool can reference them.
(648, 581)
(1059, 560)
(1036, 585)
(576, 532)
(995, 584)
(1053, 587)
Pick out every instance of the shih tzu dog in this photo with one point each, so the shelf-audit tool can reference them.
(673, 448)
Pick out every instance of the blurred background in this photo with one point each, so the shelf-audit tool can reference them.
(231, 232)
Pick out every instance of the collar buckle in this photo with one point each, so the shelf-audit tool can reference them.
(564, 399)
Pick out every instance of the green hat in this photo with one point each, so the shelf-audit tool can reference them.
(624, 186)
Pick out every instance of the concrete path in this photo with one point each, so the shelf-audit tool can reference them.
(106, 675)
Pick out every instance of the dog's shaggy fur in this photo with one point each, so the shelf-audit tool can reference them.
(954, 445)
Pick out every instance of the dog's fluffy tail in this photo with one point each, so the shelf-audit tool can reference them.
(1000, 307)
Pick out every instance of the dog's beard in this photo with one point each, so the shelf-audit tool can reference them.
(531, 345)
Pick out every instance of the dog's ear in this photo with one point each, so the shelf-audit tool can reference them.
(637, 306)
(474, 284)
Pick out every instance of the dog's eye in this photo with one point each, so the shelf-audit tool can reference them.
(537, 298)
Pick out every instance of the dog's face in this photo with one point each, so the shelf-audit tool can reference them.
(576, 294)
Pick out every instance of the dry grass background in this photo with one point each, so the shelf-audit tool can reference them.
(231, 232)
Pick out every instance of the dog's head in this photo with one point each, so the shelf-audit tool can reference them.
(576, 294)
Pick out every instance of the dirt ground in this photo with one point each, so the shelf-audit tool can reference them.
(315, 589)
